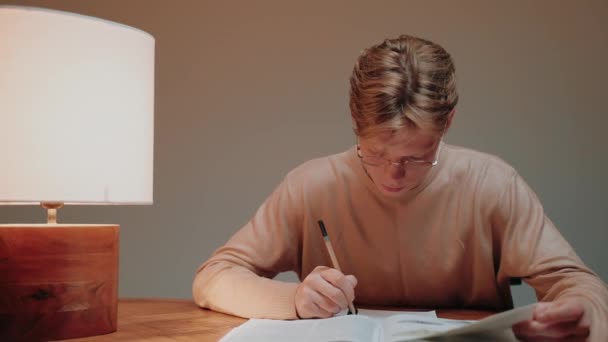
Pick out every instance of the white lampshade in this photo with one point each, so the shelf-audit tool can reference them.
(76, 109)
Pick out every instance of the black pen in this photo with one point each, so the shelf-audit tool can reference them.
(334, 261)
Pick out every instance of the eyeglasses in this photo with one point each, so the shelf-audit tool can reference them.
(410, 164)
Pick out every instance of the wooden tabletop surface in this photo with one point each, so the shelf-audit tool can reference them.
(167, 320)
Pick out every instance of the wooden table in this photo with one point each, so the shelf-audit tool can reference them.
(166, 320)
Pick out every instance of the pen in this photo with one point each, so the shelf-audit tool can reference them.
(351, 307)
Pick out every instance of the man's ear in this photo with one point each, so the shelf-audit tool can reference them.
(450, 117)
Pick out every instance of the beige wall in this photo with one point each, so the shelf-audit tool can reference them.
(247, 90)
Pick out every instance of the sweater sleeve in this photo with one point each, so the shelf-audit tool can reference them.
(533, 249)
(237, 278)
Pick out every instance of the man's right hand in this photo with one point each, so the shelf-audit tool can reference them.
(324, 292)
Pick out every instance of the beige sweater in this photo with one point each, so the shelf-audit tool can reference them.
(453, 242)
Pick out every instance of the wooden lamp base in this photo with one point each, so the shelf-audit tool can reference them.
(58, 281)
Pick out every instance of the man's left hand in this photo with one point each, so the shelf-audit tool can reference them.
(560, 320)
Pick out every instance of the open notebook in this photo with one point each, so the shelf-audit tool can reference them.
(363, 328)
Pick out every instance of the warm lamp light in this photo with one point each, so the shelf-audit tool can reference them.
(76, 127)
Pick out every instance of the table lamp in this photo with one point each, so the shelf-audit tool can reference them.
(76, 127)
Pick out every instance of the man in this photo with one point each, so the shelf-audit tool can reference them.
(413, 221)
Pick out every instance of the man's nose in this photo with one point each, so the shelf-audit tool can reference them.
(396, 170)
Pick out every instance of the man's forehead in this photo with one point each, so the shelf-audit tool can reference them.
(404, 138)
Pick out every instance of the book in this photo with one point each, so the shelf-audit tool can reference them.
(379, 328)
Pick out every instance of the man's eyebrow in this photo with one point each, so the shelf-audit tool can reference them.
(423, 154)
(431, 147)
(381, 151)
(420, 156)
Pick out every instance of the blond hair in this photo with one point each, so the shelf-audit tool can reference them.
(406, 81)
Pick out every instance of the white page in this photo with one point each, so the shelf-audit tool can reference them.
(405, 327)
(351, 328)
(381, 314)
(260, 327)
(380, 325)
(408, 327)
(497, 322)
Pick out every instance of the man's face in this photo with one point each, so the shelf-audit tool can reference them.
(400, 161)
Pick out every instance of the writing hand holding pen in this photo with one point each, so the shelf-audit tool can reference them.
(325, 291)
